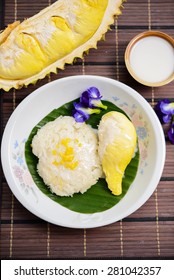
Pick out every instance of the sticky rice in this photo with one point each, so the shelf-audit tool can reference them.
(68, 156)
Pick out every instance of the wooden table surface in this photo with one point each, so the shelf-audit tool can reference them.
(148, 232)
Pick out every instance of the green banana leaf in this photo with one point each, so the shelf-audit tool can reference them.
(98, 198)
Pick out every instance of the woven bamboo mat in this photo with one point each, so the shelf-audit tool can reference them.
(147, 233)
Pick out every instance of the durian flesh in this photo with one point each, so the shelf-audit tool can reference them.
(117, 145)
(39, 45)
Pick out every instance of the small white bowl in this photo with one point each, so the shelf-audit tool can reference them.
(149, 58)
(54, 94)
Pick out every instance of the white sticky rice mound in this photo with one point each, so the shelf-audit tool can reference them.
(61, 180)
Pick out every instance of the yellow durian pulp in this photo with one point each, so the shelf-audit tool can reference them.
(117, 145)
(39, 45)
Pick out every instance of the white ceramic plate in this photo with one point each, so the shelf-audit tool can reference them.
(52, 95)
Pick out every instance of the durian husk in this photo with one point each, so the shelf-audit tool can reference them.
(12, 42)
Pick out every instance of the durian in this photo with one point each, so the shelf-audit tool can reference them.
(56, 35)
(117, 145)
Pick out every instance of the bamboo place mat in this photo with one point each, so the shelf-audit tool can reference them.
(147, 233)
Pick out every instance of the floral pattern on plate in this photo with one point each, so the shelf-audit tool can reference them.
(20, 169)
(141, 128)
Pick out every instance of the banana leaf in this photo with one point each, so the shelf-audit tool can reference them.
(98, 198)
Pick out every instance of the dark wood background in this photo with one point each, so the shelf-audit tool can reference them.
(147, 233)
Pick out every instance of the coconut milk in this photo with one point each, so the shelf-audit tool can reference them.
(152, 59)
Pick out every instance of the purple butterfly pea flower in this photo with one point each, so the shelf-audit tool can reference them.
(92, 93)
(82, 113)
(79, 117)
(92, 98)
(167, 107)
(171, 133)
(164, 110)
(90, 102)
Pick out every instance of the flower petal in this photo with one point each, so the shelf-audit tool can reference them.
(93, 92)
(171, 133)
(90, 94)
(167, 108)
(84, 99)
(82, 113)
(90, 103)
(167, 118)
(79, 117)
(159, 111)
